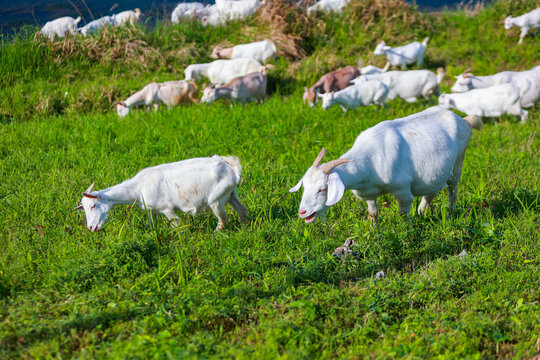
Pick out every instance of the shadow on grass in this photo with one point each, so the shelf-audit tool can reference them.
(515, 201)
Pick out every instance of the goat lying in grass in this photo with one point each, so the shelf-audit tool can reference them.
(413, 156)
(260, 51)
(192, 186)
(170, 93)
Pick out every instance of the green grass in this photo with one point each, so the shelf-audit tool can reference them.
(270, 288)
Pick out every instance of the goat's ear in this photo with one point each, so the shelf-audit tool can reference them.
(297, 186)
(336, 188)
(349, 242)
(92, 196)
(319, 95)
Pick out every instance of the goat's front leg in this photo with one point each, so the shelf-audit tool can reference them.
(218, 208)
(524, 32)
(174, 220)
(373, 211)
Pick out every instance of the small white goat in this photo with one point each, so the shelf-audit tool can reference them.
(170, 93)
(491, 102)
(413, 156)
(251, 87)
(403, 55)
(260, 51)
(192, 186)
(528, 81)
(352, 97)
(127, 17)
(408, 85)
(187, 11)
(525, 22)
(95, 25)
(327, 6)
(223, 71)
(238, 8)
(60, 27)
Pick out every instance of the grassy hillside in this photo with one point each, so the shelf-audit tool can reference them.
(270, 288)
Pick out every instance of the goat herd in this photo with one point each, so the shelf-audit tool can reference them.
(413, 156)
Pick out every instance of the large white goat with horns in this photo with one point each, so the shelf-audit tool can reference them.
(414, 156)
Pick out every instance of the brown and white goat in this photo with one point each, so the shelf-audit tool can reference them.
(333, 81)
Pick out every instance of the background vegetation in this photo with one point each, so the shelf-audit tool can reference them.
(271, 288)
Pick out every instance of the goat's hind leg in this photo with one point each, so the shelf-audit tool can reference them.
(218, 208)
(239, 207)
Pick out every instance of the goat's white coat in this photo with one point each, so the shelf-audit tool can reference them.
(223, 71)
(127, 17)
(251, 87)
(528, 81)
(169, 93)
(525, 22)
(95, 25)
(60, 27)
(187, 11)
(260, 51)
(408, 85)
(493, 101)
(352, 97)
(403, 55)
(327, 6)
(413, 156)
(192, 186)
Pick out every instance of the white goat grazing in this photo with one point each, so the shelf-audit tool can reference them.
(260, 51)
(408, 85)
(528, 81)
(525, 22)
(170, 93)
(352, 97)
(245, 88)
(127, 17)
(403, 55)
(327, 6)
(60, 27)
(187, 11)
(192, 186)
(414, 156)
(223, 71)
(491, 102)
(95, 25)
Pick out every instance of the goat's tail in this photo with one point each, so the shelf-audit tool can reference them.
(440, 75)
(234, 164)
(474, 121)
(425, 41)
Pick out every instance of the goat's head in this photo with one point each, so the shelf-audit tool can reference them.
(446, 101)
(463, 82)
(122, 109)
(216, 52)
(381, 48)
(327, 100)
(310, 96)
(209, 94)
(322, 188)
(96, 207)
(508, 23)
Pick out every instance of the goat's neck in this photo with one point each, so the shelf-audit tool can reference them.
(123, 193)
(138, 98)
(352, 173)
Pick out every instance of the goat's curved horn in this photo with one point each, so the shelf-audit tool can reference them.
(80, 207)
(319, 158)
(466, 71)
(467, 75)
(90, 188)
(329, 166)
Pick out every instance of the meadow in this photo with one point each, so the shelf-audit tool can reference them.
(271, 288)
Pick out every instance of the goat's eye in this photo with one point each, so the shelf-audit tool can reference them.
(93, 207)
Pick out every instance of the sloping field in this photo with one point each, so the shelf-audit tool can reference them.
(269, 289)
